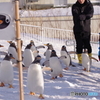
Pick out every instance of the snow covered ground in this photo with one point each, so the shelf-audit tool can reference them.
(74, 80)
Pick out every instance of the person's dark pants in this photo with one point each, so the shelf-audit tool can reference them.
(82, 43)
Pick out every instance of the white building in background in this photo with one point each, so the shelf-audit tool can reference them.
(47, 3)
(52, 3)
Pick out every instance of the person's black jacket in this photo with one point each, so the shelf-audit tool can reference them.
(82, 14)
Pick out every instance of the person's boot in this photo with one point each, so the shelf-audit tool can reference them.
(79, 58)
(90, 54)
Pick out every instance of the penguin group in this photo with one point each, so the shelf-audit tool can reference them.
(31, 59)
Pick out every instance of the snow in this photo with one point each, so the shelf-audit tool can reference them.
(74, 80)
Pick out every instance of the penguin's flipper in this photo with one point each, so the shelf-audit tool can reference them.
(94, 58)
(41, 46)
(46, 68)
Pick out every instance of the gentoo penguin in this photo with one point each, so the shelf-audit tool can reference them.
(47, 54)
(28, 56)
(6, 71)
(65, 57)
(55, 65)
(86, 61)
(35, 80)
(35, 48)
(13, 50)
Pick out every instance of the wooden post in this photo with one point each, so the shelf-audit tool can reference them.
(18, 38)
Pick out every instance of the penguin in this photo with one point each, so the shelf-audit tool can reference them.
(65, 57)
(6, 71)
(35, 80)
(28, 56)
(12, 49)
(47, 54)
(55, 65)
(35, 48)
(86, 61)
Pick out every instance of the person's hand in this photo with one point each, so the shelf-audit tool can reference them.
(82, 17)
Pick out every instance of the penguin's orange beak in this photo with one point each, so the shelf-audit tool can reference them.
(9, 41)
(1, 46)
(12, 58)
(1, 21)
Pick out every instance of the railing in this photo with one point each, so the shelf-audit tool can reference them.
(53, 35)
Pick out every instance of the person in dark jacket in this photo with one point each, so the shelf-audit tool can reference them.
(82, 12)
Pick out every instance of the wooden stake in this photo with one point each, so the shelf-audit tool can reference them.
(19, 49)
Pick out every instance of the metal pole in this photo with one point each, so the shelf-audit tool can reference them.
(18, 38)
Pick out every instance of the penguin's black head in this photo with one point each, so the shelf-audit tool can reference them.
(63, 48)
(53, 53)
(4, 21)
(32, 42)
(37, 59)
(28, 46)
(8, 57)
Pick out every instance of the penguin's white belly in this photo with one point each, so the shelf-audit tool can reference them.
(86, 61)
(33, 48)
(48, 54)
(66, 60)
(35, 81)
(6, 72)
(55, 66)
(28, 57)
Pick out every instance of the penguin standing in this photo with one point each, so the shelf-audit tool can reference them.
(47, 54)
(55, 65)
(28, 56)
(13, 50)
(35, 80)
(6, 71)
(86, 61)
(66, 57)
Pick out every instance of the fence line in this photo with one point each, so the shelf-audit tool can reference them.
(53, 35)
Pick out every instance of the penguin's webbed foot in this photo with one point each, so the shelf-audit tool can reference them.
(10, 86)
(60, 75)
(66, 68)
(52, 78)
(84, 69)
(41, 96)
(2, 84)
(32, 93)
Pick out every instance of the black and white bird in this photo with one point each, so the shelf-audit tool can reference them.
(35, 80)
(55, 65)
(28, 56)
(6, 71)
(12, 49)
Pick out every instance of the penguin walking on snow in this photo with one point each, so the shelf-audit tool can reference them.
(47, 54)
(35, 48)
(35, 80)
(65, 57)
(55, 65)
(28, 56)
(6, 71)
(13, 50)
